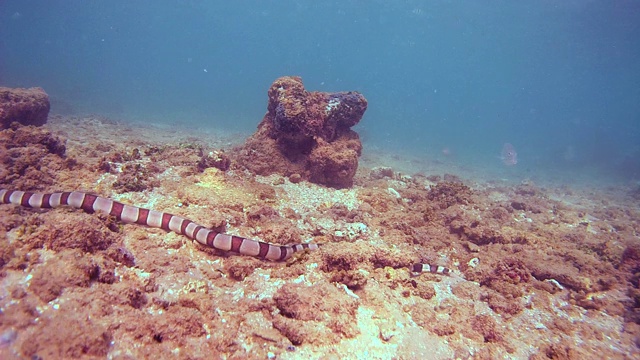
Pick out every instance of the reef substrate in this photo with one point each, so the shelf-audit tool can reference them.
(539, 272)
(25, 106)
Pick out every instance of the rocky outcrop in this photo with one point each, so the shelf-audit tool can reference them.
(26, 106)
(307, 135)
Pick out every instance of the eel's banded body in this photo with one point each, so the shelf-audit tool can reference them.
(132, 214)
(168, 222)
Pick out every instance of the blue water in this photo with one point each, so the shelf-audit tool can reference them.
(560, 80)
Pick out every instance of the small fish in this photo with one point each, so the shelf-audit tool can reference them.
(509, 155)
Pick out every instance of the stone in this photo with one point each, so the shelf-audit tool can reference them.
(26, 106)
(307, 133)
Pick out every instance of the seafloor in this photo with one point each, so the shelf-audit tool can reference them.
(539, 272)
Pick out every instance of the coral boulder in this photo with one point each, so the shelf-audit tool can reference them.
(307, 135)
(26, 106)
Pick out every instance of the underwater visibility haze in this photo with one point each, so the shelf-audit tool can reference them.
(558, 80)
(320, 179)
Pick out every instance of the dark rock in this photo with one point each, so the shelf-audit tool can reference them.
(26, 106)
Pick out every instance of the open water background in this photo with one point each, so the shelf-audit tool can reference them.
(557, 79)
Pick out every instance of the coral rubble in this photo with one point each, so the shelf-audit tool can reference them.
(31, 157)
(537, 272)
(307, 135)
(26, 106)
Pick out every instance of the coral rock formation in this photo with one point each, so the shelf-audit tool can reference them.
(26, 106)
(307, 135)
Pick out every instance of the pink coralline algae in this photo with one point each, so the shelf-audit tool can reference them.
(306, 135)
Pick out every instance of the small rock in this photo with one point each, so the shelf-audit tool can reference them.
(295, 178)
(381, 172)
(394, 192)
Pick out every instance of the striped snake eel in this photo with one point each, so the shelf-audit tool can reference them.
(168, 222)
